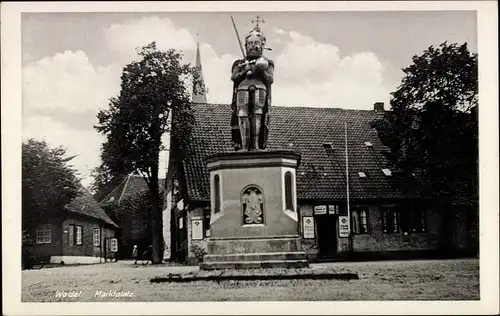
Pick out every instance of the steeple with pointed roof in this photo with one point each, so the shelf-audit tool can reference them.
(199, 89)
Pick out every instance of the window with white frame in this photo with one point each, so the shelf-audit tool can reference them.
(390, 220)
(79, 235)
(97, 237)
(359, 221)
(113, 243)
(43, 235)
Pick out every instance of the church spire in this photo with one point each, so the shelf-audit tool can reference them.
(199, 89)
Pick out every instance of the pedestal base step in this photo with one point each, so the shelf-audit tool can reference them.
(254, 253)
(269, 256)
(254, 264)
(245, 245)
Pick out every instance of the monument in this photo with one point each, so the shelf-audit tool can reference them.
(254, 220)
(252, 77)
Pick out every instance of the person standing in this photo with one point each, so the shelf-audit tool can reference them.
(135, 253)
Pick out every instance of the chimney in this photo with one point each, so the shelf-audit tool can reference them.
(378, 106)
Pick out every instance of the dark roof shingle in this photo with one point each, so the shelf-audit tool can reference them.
(322, 172)
(85, 204)
(132, 185)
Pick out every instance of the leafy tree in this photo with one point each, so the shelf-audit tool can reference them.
(134, 218)
(153, 89)
(49, 182)
(432, 128)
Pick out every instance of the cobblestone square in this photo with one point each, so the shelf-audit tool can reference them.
(383, 280)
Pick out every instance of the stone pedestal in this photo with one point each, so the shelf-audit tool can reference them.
(254, 221)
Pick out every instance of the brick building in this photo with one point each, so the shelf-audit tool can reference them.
(83, 234)
(383, 220)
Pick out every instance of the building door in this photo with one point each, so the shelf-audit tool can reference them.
(327, 235)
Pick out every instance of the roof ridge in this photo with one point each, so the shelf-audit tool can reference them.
(124, 189)
(301, 107)
(142, 177)
(112, 191)
(85, 204)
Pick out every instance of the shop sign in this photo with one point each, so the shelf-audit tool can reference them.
(320, 210)
(308, 227)
(344, 228)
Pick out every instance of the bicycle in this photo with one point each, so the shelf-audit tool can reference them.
(146, 257)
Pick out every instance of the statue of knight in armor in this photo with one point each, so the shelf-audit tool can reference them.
(252, 77)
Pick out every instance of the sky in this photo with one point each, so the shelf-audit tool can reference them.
(72, 62)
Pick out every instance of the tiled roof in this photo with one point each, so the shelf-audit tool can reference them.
(85, 204)
(322, 172)
(133, 184)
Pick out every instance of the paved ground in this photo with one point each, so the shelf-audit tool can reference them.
(387, 280)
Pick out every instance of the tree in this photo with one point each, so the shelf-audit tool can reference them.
(432, 128)
(49, 182)
(133, 216)
(152, 90)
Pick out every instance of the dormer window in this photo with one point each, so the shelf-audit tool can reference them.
(368, 144)
(362, 174)
(327, 146)
(387, 172)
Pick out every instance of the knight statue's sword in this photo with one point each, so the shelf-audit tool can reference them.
(238, 37)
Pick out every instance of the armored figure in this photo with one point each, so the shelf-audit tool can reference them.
(252, 77)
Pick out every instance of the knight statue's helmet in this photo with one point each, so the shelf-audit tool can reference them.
(255, 34)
